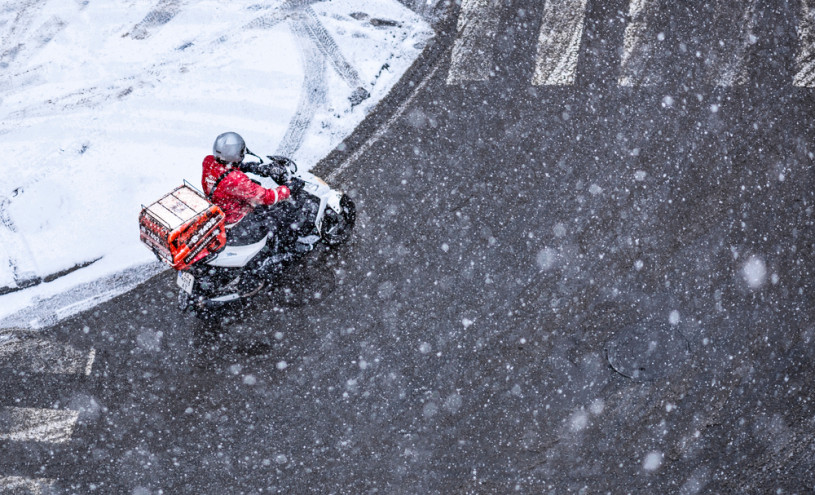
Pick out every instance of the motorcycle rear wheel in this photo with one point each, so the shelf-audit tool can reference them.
(337, 227)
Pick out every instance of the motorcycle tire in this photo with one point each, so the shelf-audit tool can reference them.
(337, 227)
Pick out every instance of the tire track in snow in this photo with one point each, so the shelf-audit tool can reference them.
(805, 60)
(18, 252)
(81, 99)
(316, 45)
(163, 13)
(638, 48)
(314, 91)
(13, 41)
(430, 10)
(21, 42)
(472, 57)
(320, 37)
(287, 10)
(559, 42)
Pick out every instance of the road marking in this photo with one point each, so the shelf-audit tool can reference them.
(472, 50)
(24, 352)
(29, 486)
(384, 128)
(637, 49)
(23, 424)
(734, 52)
(49, 310)
(805, 61)
(559, 42)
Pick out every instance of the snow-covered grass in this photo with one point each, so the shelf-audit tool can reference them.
(105, 106)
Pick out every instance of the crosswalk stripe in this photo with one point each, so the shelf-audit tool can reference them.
(28, 486)
(472, 56)
(805, 61)
(734, 51)
(36, 355)
(636, 48)
(559, 42)
(24, 424)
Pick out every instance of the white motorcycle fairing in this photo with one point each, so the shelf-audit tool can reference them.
(328, 196)
(237, 256)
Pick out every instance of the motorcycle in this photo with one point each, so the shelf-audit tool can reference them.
(240, 270)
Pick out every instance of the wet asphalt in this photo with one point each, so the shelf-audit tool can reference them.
(581, 289)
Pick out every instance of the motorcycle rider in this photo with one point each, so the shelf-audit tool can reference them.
(246, 204)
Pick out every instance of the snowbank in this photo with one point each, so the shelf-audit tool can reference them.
(107, 105)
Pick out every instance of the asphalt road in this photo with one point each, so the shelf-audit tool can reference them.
(589, 288)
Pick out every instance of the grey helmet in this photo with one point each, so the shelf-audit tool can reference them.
(229, 147)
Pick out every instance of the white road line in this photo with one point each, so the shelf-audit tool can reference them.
(805, 61)
(49, 310)
(559, 42)
(636, 46)
(89, 362)
(22, 424)
(734, 52)
(383, 129)
(25, 352)
(473, 48)
(28, 486)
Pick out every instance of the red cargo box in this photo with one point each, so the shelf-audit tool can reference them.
(182, 227)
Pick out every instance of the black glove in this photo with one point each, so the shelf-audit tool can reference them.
(296, 185)
(271, 170)
(284, 162)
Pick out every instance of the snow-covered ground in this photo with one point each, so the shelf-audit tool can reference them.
(106, 106)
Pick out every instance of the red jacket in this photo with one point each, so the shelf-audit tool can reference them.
(236, 194)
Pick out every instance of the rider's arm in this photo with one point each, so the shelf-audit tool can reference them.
(241, 186)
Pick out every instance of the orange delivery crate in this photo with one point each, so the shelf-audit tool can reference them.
(182, 227)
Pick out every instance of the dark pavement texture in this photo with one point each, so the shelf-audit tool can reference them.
(513, 243)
